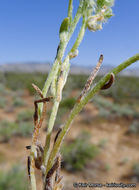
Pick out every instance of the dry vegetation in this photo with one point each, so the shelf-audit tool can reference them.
(102, 145)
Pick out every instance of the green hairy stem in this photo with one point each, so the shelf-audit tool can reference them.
(79, 106)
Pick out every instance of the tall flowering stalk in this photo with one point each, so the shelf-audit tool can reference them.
(94, 13)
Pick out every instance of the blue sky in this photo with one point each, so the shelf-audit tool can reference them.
(29, 32)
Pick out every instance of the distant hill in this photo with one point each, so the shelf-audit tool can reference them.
(45, 67)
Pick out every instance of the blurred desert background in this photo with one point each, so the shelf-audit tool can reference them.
(102, 145)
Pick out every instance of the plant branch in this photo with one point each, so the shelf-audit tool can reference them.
(32, 169)
(49, 132)
(70, 8)
(55, 108)
(79, 37)
(60, 53)
(60, 85)
(78, 106)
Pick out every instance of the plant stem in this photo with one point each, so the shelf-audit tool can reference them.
(60, 54)
(49, 131)
(79, 37)
(32, 176)
(74, 23)
(52, 73)
(32, 170)
(60, 85)
(78, 106)
(70, 8)
(55, 109)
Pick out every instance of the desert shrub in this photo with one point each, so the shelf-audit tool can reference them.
(123, 161)
(110, 109)
(25, 115)
(134, 127)
(124, 90)
(65, 106)
(7, 129)
(136, 169)
(18, 102)
(19, 93)
(76, 82)
(24, 120)
(87, 120)
(2, 102)
(3, 90)
(102, 142)
(78, 153)
(24, 80)
(104, 113)
(36, 78)
(67, 103)
(135, 172)
(60, 117)
(2, 77)
(14, 179)
(25, 129)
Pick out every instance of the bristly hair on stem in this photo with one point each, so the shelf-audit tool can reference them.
(94, 13)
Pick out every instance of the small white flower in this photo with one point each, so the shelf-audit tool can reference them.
(93, 23)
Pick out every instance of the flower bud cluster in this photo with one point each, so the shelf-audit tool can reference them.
(103, 12)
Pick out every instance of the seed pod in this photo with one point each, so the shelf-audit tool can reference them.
(90, 79)
(109, 83)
